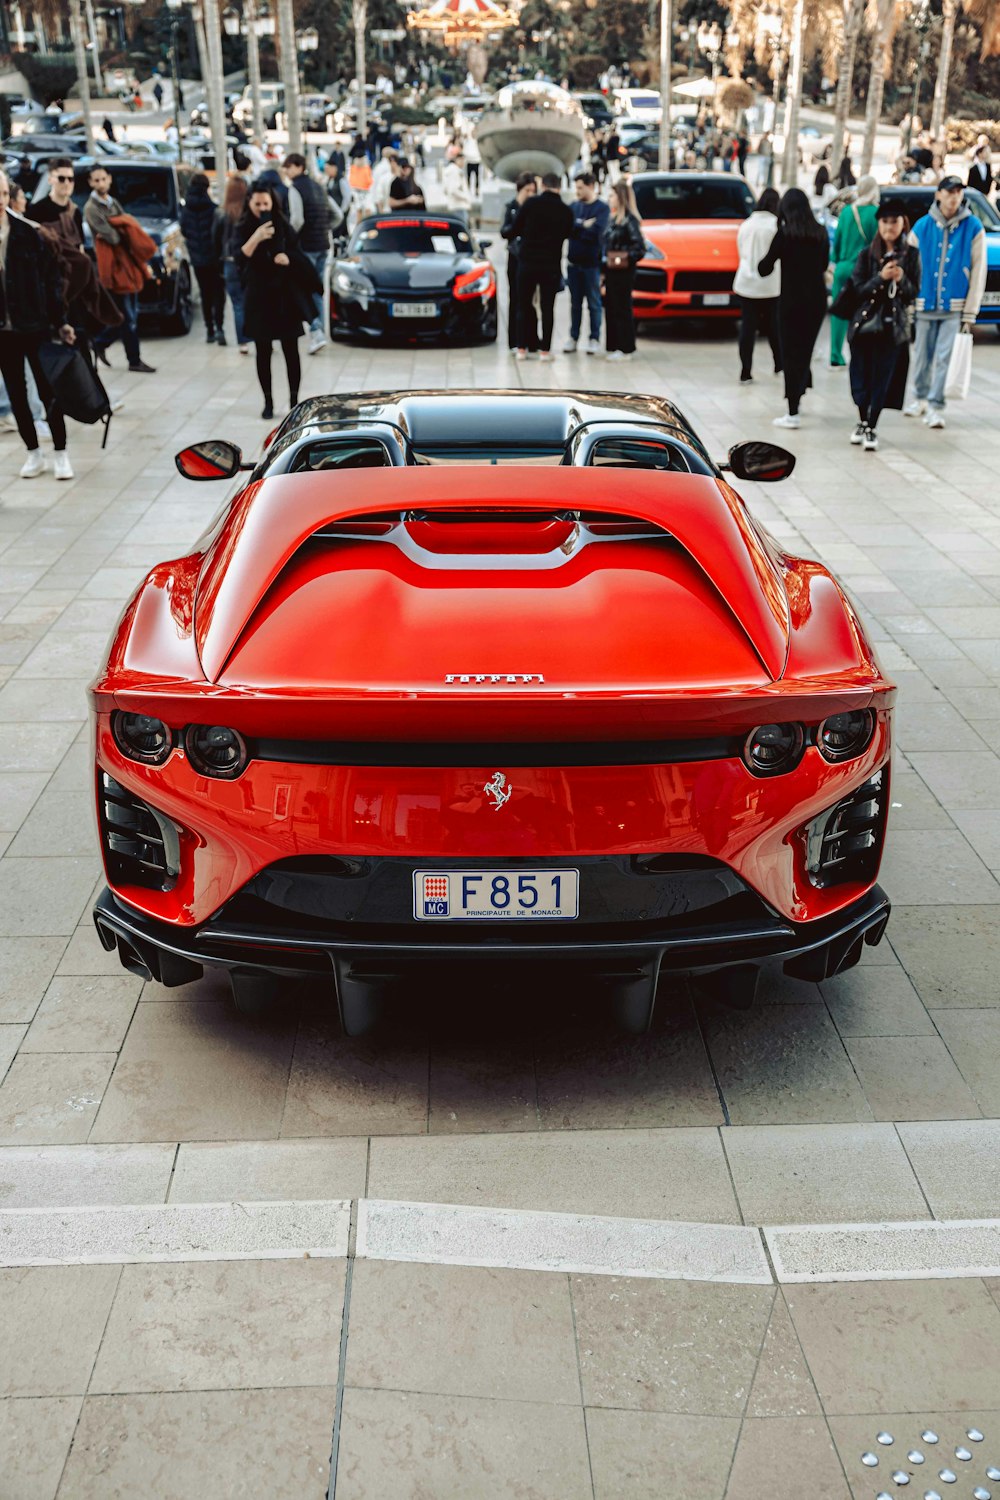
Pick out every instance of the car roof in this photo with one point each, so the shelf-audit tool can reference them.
(517, 417)
(692, 177)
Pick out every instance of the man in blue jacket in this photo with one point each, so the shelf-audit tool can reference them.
(583, 271)
(952, 280)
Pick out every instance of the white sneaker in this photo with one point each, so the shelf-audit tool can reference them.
(593, 346)
(520, 353)
(935, 418)
(317, 340)
(546, 356)
(871, 440)
(915, 409)
(615, 354)
(857, 436)
(33, 465)
(244, 348)
(7, 424)
(786, 421)
(61, 466)
(43, 430)
(570, 346)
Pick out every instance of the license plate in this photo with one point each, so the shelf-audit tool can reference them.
(991, 299)
(495, 895)
(715, 299)
(414, 309)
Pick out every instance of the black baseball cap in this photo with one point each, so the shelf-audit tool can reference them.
(890, 208)
(950, 183)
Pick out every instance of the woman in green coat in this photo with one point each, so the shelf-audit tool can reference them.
(856, 228)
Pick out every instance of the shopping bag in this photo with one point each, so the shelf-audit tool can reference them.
(956, 386)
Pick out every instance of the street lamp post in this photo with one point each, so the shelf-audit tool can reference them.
(233, 23)
(921, 24)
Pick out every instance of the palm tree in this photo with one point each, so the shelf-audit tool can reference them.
(290, 73)
(885, 24)
(987, 14)
(853, 15)
(793, 96)
(359, 10)
(76, 25)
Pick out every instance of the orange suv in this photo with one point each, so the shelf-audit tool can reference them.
(690, 221)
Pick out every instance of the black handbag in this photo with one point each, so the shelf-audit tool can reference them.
(75, 384)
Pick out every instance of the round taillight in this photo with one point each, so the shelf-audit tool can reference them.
(773, 748)
(141, 737)
(215, 750)
(843, 736)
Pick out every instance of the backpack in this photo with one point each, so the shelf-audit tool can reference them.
(75, 384)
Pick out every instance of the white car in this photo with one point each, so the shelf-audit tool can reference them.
(638, 104)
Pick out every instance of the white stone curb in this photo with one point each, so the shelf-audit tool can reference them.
(447, 1234)
(173, 1231)
(885, 1252)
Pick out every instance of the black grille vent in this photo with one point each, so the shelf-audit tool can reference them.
(650, 279)
(703, 281)
(844, 844)
(142, 846)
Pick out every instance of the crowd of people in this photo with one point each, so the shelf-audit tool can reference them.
(892, 285)
(265, 248)
(604, 244)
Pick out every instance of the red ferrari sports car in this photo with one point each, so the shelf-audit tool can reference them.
(492, 676)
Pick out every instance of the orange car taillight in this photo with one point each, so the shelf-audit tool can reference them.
(479, 282)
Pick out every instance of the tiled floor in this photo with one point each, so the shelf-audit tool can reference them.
(457, 1382)
(873, 1097)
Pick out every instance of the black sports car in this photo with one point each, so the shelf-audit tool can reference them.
(414, 275)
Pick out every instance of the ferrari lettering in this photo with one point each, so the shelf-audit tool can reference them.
(452, 678)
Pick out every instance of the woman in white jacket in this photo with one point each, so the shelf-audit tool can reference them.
(758, 294)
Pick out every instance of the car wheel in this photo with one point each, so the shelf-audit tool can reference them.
(636, 164)
(489, 332)
(179, 321)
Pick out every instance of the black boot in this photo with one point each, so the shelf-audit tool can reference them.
(220, 337)
(209, 334)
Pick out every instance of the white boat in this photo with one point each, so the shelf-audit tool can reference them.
(533, 126)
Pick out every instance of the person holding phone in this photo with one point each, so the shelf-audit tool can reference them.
(879, 297)
(278, 281)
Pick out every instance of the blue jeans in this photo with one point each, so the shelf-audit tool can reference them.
(931, 353)
(584, 285)
(317, 259)
(127, 330)
(34, 400)
(237, 296)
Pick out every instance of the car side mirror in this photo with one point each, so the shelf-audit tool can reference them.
(763, 462)
(215, 459)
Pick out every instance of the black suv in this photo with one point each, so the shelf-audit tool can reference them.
(152, 192)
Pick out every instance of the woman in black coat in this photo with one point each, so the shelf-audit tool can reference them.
(803, 248)
(879, 299)
(278, 280)
(624, 247)
(197, 219)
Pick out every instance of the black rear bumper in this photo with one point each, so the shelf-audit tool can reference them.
(172, 955)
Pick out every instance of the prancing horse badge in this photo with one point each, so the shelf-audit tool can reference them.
(498, 789)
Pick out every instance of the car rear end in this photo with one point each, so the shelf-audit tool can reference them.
(522, 770)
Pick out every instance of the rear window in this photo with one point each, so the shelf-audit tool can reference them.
(410, 237)
(679, 198)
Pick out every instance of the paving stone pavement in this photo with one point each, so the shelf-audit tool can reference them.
(872, 1098)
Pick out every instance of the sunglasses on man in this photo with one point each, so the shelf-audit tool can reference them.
(62, 177)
